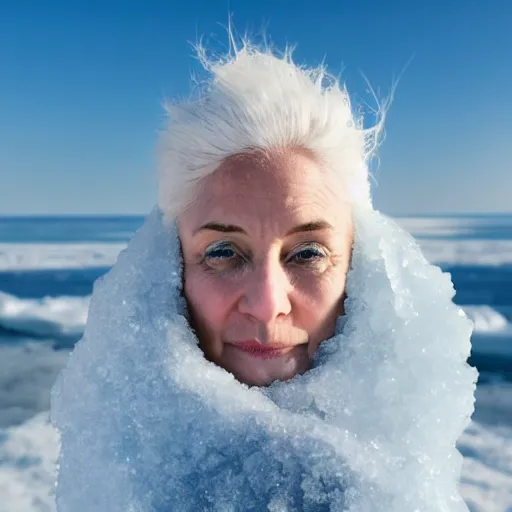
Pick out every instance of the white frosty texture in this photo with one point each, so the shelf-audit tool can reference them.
(27, 466)
(27, 371)
(54, 256)
(147, 424)
(48, 316)
(28, 453)
(486, 319)
(462, 240)
(468, 252)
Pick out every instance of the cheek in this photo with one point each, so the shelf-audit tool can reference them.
(204, 303)
(319, 303)
(319, 295)
(209, 304)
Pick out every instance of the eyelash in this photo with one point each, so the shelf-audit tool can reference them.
(210, 256)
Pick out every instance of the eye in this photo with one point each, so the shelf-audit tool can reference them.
(223, 256)
(220, 252)
(308, 254)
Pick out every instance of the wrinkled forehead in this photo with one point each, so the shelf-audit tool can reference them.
(287, 185)
(284, 172)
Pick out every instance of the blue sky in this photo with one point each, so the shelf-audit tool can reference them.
(82, 84)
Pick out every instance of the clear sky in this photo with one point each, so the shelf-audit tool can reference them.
(82, 84)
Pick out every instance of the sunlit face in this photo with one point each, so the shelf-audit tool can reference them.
(266, 247)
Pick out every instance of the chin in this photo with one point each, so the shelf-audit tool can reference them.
(264, 373)
(262, 380)
(256, 371)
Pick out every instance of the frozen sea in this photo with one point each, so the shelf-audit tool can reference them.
(47, 270)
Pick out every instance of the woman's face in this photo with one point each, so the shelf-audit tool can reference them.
(266, 247)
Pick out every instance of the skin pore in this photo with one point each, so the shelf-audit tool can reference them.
(266, 245)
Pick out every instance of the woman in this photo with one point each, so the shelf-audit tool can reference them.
(231, 360)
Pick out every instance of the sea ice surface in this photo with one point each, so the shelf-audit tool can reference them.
(46, 317)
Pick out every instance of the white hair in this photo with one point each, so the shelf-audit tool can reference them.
(255, 99)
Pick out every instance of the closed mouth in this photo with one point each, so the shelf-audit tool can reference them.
(257, 349)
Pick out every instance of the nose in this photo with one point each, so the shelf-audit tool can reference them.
(266, 293)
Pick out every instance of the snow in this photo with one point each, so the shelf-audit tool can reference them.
(46, 317)
(468, 252)
(28, 454)
(487, 448)
(147, 423)
(486, 319)
(42, 256)
(450, 241)
(29, 445)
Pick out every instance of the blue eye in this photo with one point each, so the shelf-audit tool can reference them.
(218, 252)
(309, 254)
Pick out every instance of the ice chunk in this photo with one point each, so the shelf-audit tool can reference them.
(486, 318)
(147, 424)
(39, 256)
(45, 317)
(27, 466)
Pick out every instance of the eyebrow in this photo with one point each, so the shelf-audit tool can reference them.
(316, 225)
(222, 228)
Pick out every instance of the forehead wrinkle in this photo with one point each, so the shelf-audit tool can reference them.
(293, 189)
(280, 169)
(289, 192)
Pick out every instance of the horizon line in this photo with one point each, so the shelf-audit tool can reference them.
(142, 215)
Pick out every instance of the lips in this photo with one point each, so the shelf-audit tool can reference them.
(256, 349)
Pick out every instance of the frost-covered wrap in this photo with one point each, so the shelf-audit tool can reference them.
(147, 424)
